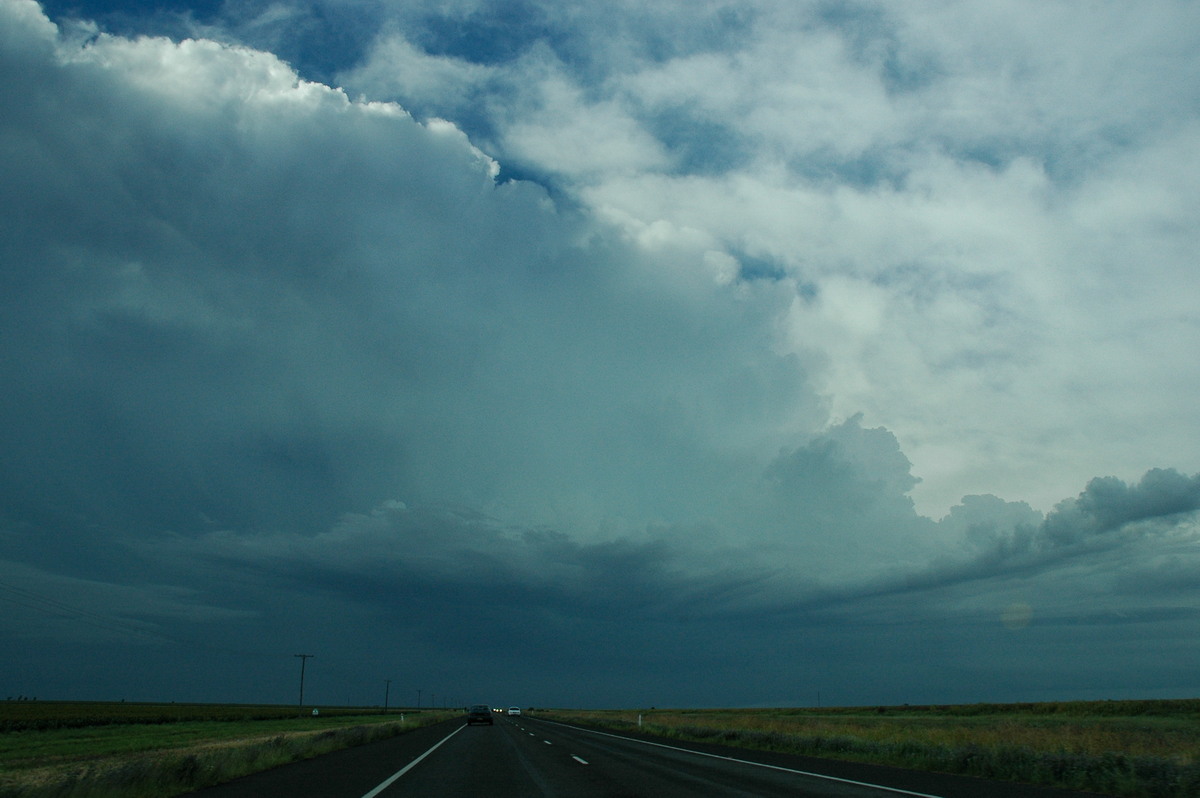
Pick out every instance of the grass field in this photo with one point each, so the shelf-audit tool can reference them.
(98, 750)
(124, 749)
(1121, 748)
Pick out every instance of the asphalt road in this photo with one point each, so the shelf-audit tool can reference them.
(532, 758)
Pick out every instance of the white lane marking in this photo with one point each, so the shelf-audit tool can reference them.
(547, 742)
(410, 765)
(579, 760)
(755, 764)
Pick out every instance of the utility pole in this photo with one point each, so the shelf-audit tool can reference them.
(387, 689)
(303, 661)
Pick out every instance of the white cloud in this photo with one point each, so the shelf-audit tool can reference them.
(980, 207)
(400, 68)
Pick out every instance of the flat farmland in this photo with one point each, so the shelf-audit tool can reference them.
(132, 749)
(1122, 748)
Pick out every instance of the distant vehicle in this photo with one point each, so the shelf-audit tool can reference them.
(514, 710)
(480, 713)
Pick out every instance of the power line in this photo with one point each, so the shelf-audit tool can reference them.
(59, 609)
(50, 606)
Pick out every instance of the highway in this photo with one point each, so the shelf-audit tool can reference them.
(531, 758)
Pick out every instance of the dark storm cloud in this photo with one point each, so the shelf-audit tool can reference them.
(688, 607)
(1107, 504)
(1108, 515)
(449, 552)
(248, 300)
(241, 301)
(286, 371)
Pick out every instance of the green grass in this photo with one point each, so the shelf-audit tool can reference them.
(61, 750)
(1139, 749)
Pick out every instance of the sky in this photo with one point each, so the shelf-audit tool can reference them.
(605, 354)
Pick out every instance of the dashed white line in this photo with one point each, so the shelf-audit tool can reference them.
(580, 760)
(882, 787)
(547, 742)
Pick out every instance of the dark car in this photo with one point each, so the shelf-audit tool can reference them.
(480, 713)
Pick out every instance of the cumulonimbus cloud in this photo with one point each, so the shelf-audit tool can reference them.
(264, 335)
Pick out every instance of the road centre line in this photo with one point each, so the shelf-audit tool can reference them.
(896, 790)
(580, 760)
(410, 765)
